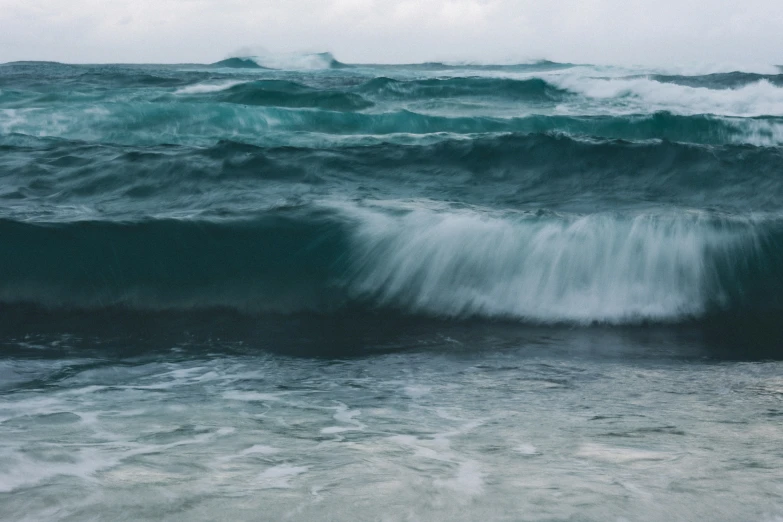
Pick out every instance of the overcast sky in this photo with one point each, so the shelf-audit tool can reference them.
(654, 32)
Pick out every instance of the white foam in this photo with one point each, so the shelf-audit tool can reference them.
(250, 396)
(260, 449)
(469, 479)
(594, 268)
(93, 388)
(526, 449)
(644, 95)
(295, 61)
(12, 119)
(279, 477)
(692, 69)
(19, 471)
(762, 133)
(345, 415)
(417, 391)
(435, 449)
(204, 88)
(35, 405)
(618, 454)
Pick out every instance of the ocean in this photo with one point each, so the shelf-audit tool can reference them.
(312, 290)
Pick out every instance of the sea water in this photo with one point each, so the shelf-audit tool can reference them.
(324, 291)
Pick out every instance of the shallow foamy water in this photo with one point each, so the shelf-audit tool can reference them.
(552, 425)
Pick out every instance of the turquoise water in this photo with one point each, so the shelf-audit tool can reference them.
(390, 292)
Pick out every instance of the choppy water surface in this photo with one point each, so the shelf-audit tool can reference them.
(446, 422)
(418, 292)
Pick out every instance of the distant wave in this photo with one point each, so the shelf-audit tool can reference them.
(280, 93)
(238, 63)
(147, 123)
(299, 61)
(534, 89)
(524, 67)
(516, 170)
(63, 78)
(760, 98)
(732, 80)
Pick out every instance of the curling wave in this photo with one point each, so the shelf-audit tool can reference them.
(419, 259)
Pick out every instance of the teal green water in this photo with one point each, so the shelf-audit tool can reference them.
(390, 292)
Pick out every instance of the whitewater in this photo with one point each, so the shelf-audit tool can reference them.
(291, 287)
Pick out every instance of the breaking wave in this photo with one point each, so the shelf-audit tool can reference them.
(418, 259)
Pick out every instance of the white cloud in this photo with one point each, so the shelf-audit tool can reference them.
(596, 31)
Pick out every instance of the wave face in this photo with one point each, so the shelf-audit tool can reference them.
(278, 93)
(529, 90)
(609, 268)
(540, 193)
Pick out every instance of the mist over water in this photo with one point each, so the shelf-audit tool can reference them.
(292, 287)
